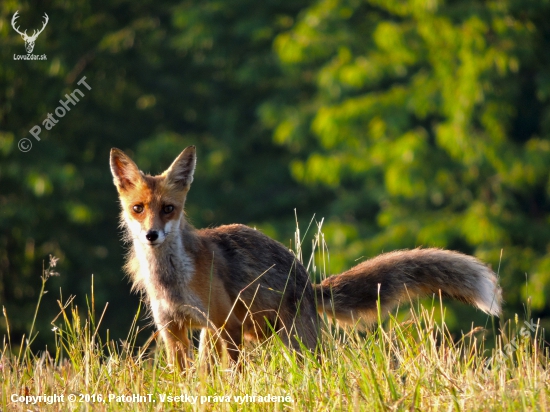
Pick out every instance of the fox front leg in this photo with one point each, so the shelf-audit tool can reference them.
(177, 346)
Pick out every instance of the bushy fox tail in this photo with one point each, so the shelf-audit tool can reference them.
(406, 274)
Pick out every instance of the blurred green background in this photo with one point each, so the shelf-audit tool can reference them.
(401, 123)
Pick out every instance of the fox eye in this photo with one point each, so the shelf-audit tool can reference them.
(168, 209)
(138, 208)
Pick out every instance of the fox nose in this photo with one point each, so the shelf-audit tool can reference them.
(152, 235)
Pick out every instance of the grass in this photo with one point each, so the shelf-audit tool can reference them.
(411, 364)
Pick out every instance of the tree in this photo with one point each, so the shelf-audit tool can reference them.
(429, 122)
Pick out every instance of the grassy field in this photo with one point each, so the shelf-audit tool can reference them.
(411, 364)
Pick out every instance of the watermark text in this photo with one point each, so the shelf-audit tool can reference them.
(50, 120)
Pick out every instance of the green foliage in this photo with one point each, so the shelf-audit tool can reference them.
(434, 114)
(402, 123)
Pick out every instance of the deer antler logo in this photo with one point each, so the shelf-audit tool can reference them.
(29, 40)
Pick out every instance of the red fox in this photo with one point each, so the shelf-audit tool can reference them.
(241, 284)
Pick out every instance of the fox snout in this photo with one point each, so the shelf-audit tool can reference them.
(152, 235)
(151, 228)
(155, 237)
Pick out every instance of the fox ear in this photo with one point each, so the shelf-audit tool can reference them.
(125, 172)
(180, 172)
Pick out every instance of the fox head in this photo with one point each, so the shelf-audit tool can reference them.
(152, 206)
